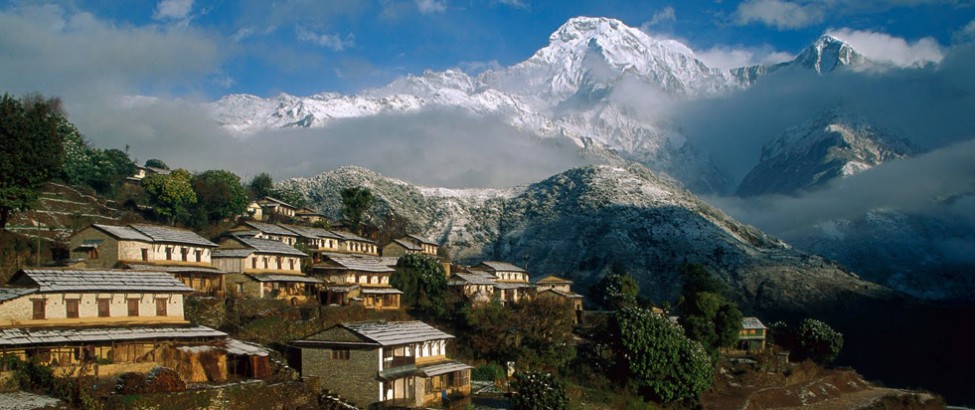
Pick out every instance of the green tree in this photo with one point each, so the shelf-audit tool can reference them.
(538, 391)
(706, 315)
(423, 281)
(356, 201)
(170, 195)
(262, 185)
(156, 163)
(544, 329)
(32, 150)
(818, 341)
(616, 290)
(490, 332)
(102, 170)
(219, 195)
(654, 353)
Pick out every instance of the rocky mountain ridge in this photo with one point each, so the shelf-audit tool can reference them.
(581, 222)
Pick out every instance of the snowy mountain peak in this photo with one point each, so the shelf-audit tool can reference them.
(828, 53)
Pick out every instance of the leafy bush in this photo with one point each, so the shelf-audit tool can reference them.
(488, 373)
(538, 391)
(819, 341)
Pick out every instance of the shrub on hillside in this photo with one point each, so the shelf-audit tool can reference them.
(538, 391)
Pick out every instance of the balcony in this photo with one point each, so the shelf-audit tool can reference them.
(398, 361)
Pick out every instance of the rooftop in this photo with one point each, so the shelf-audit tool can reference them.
(269, 246)
(397, 333)
(123, 232)
(173, 235)
(270, 228)
(423, 240)
(553, 280)
(32, 337)
(361, 263)
(752, 322)
(57, 280)
(501, 266)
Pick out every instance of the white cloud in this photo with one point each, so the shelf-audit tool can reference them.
(666, 14)
(518, 4)
(173, 9)
(431, 6)
(49, 50)
(476, 67)
(726, 57)
(967, 33)
(334, 42)
(882, 47)
(778, 13)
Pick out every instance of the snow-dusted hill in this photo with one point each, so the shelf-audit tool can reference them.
(834, 144)
(601, 84)
(583, 221)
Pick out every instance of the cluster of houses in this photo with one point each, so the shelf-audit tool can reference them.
(118, 306)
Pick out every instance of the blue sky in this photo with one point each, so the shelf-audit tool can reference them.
(204, 49)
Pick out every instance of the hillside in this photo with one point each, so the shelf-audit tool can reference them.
(583, 221)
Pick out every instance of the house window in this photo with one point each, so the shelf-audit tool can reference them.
(71, 308)
(265, 263)
(340, 354)
(145, 255)
(199, 256)
(161, 307)
(103, 307)
(291, 264)
(133, 307)
(39, 309)
(278, 260)
(169, 254)
(183, 253)
(93, 253)
(254, 263)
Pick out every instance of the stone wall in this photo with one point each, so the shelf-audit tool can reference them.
(353, 379)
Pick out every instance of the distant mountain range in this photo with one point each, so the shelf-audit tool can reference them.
(589, 85)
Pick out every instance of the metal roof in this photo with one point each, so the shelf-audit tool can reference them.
(174, 268)
(501, 266)
(443, 368)
(752, 322)
(283, 278)
(55, 280)
(173, 235)
(123, 232)
(15, 337)
(242, 348)
(397, 333)
(270, 246)
(269, 228)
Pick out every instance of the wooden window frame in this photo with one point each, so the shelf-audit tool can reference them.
(72, 313)
(340, 354)
(130, 309)
(39, 309)
(145, 255)
(162, 308)
(107, 305)
(184, 253)
(169, 254)
(199, 256)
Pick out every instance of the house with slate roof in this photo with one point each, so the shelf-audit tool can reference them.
(552, 286)
(351, 279)
(180, 252)
(266, 231)
(511, 282)
(377, 364)
(310, 216)
(268, 208)
(411, 244)
(261, 268)
(108, 321)
(752, 335)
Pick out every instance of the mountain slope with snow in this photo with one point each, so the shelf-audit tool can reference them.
(583, 221)
(833, 145)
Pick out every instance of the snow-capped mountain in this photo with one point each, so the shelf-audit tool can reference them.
(834, 144)
(598, 83)
(582, 221)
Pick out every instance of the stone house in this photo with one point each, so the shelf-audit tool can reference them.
(560, 288)
(751, 337)
(411, 244)
(267, 208)
(317, 240)
(352, 243)
(311, 216)
(180, 252)
(477, 286)
(104, 323)
(511, 282)
(261, 268)
(357, 279)
(263, 230)
(377, 364)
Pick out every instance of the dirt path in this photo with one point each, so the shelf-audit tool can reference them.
(855, 400)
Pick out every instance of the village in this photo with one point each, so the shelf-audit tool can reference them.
(114, 303)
